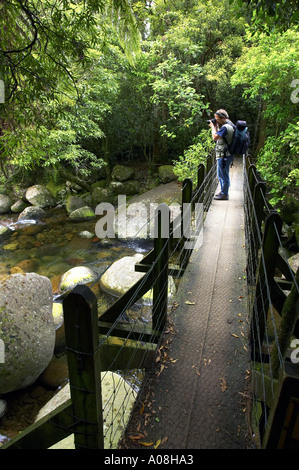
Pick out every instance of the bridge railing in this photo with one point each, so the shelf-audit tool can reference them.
(108, 354)
(273, 305)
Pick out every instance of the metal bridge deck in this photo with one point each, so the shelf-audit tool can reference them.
(197, 397)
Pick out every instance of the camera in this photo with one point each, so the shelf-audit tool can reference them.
(212, 120)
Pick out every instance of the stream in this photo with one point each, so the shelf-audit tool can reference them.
(50, 247)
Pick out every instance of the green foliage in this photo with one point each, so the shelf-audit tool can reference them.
(83, 90)
(51, 58)
(266, 69)
(278, 162)
(268, 15)
(190, 52)
(186, 165)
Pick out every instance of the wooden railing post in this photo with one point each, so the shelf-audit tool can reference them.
(161, 250)
(209, 163)
(201, 171)
(186, 212)
(210, 179)
(82, 340)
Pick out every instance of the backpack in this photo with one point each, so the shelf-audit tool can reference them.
(241, 139)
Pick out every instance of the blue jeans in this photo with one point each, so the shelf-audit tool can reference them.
(223, 166)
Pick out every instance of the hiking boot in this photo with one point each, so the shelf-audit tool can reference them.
(221, 197)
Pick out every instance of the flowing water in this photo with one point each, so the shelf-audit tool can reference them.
(51, 247)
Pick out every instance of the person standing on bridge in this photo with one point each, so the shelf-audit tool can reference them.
(222, 134)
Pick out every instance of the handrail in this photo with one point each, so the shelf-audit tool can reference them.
(95, 345)
(271, 308)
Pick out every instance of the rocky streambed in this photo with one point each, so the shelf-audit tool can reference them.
(41, 258)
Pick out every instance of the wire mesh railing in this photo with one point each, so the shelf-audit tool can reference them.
(273, 308)
(109, 354)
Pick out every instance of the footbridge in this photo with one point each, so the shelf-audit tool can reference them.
(216, 367)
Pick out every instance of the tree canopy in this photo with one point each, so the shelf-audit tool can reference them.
(90, 82)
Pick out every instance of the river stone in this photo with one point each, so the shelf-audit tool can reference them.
(121, 275)
(82, 213)
(57, 313)
(102, 195)
(166, 174)
(39, 195)
(86, 234)
(128, 187)
(73, 202)
(137, 220)
(19, 206)
(122, 173)
(26, 328)
(118, 398)
(5, 232)
(75, 276)
(32, 212)
(5, 203)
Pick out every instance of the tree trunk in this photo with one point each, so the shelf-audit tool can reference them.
(262, 126)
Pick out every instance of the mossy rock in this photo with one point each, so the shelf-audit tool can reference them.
(75, 276)
(39, 195)
(127, 188)
(82, 213)
(122, 173)
(19, 206)
(166, 174)
(73, 203)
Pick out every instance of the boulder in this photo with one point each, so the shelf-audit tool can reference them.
(19, 206)
(99, 184)
(127, 188)
(5, 203)
(32, 212)
(75, 276)
(102, 195)
(121, 275)
(137, 221)
(122, 172)
(166, 174)
(39, 195)
(118, 399)
(26, 329)
(73, 203)
(82, 213)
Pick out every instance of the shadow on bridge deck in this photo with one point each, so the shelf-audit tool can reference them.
(195, 397)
